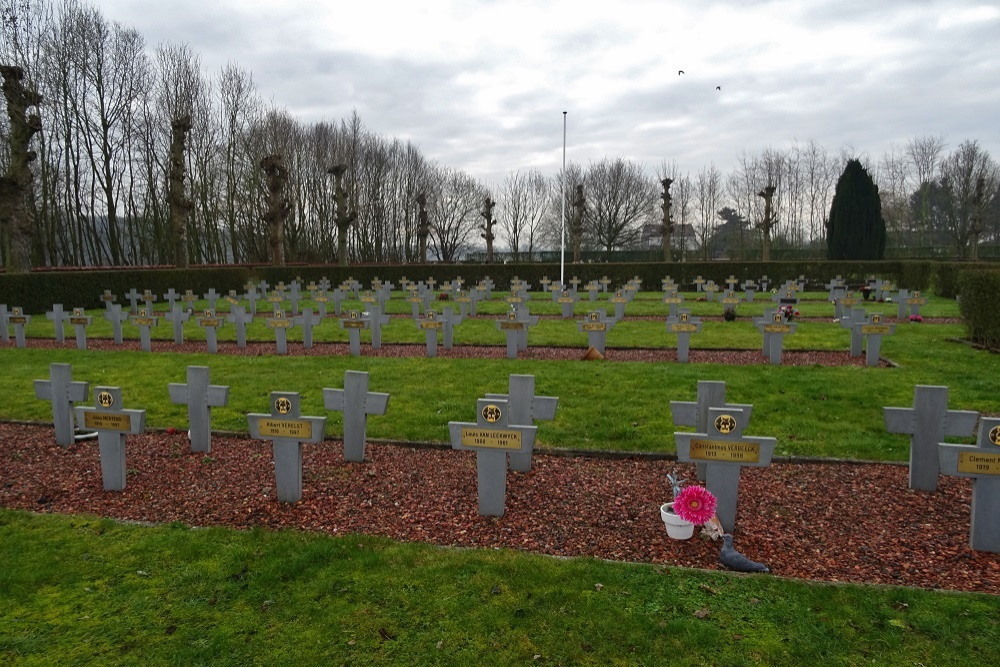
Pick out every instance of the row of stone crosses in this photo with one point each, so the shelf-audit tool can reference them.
(866, 328)
(503, 436)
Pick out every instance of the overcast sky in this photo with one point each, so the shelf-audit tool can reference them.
(481, 85)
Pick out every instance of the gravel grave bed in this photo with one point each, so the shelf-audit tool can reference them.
(258, 348)
(838, 522)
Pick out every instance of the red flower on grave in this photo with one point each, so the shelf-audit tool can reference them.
(695, 504)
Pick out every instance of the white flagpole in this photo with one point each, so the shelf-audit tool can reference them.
(562, 251)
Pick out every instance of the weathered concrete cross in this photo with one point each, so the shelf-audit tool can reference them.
(775, 332)
(356, 402)
(112, 423)
(280, 325)
(725, 450)
(240, 319)
(58, 317)
(354, 323)
(872, 331)
(210, 322)
(596, 324)
(178, 316)
(711, 394)
(524, 409)
(200, 397)
(80, 320)
(683, 325)
(492, 437)
(928, 422)
(144, 320)
(18, 320)
(982, 463)
(288, 429)
(308, 322)
(63, 392)
(116, 317)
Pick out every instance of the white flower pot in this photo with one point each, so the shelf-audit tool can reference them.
(677, 528)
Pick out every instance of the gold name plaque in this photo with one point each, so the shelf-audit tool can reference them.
(683, 328)
(284, 428)
(275, 323)
(490, 438)
(431, 324)
(874, 329)
(722, 450)
(79, 321)
(107, 421)
(982, 464)
(352, 325)
(511, 325)
(594, 326)
(778, 328)
(143, 321)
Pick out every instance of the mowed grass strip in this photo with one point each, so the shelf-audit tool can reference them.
(81, 590)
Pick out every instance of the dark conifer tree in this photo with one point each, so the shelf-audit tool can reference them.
(856, 229)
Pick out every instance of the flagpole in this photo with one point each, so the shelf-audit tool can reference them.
(562, 251)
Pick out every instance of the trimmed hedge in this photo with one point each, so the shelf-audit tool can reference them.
(978, 292)
(38, 290)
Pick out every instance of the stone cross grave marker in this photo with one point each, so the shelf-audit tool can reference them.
(605, 283)
(847, 321)
(667, 284)
(210, 321)
(596, 324)
(171, 298)
(320, 298)
(710, 290)
(116, 316)
(575, 286)
(764, 283)
(524, 409)
(376, 320)
(711, 394)
(280, 325)
(545, 282)
(177, 317)
(683, 325)
(749, 289)
(112, 422)
(730, 300)
(430, 323)
(356, 402)
(873, 330)
(837, 288)
(515, 327)
(353, 322)
(842, 305)
(620, 301)
(148, 299)
(775, 331)
(928, 422)
(133, 300)
(212, 297)
(725, 451)
(908, 302)
(593, 287)
(308, 321)
(417, 302)
(240, 319)
(144, 320)
(567, 301)
(294, 297)
(981, 462)
(62, 392)
(200, 397)
(58, 317)
(487, 285)
(262, 287)
(731, 283)
(232, 298)
(276, 298)
(699, 284)
(18, 320)
(673, 299)
(288, 430)
(189, 298)
(338, 296)
(252, 296)
(464, 301)
(80, 320)
(107, 298)
(492, 437)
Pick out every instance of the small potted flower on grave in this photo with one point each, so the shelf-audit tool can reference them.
(916, 318)
(788, 311)
(729, 314)
(691, 506)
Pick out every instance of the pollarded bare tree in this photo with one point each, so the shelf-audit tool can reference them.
(180, 204)
(487, 214)
(17, 190)
(345, 212)
(767, 222)
(277, 206)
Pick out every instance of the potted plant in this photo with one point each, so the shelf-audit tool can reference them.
(691, 506)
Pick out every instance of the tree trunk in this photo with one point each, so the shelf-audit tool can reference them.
(668, 225)
(179, 204)
(17, 190)
(277, 205)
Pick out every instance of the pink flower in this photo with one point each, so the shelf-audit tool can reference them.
(695, 504)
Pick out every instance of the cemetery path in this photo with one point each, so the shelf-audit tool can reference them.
(838, 522)
(400, 350)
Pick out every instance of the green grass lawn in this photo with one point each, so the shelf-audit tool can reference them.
(79, 590)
